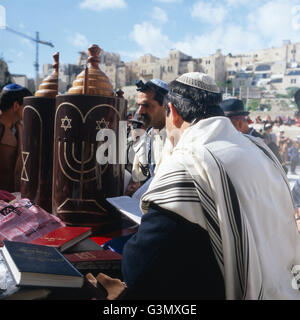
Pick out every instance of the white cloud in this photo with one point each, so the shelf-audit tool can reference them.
(208, 12)
(274, 20)
(235, 3)
(151, 39)
(159, 15)
(79, 41)
(229, 40)
(168, 1)
(266, 24)
(99, 5)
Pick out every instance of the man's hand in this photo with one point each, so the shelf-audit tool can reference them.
(114, 287)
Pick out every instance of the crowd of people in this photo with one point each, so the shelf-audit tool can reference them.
(279, 121)
(285, 148)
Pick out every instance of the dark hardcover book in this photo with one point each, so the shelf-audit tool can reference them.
(43, 266)
(85, 245)
(104, 261)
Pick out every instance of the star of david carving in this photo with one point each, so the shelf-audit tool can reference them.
(102, 124)
(66, 123)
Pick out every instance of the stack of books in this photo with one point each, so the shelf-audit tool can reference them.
(36, 269)
(54, 265)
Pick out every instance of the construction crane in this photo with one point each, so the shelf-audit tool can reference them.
(37, 42)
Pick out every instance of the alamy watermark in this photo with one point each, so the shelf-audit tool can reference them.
(2, 17)
(114, 146)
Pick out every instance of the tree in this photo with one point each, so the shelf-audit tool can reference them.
(291, 92)
(253, 104)
(225, 84)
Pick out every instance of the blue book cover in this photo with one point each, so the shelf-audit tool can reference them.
(117, 244)
(40, 265)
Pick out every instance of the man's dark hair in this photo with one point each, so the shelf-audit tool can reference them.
(192, 103)
(151, 87)
(8, 98)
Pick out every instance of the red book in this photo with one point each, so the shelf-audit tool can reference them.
(63, 238)
(105, 261)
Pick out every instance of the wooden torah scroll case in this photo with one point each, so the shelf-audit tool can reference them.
(37, 150)
(80, 183)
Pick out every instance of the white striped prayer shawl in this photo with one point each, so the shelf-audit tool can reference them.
(235, 188)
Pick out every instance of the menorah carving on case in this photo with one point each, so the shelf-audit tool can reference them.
(81, 184)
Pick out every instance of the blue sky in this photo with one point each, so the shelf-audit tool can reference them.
(133, 28)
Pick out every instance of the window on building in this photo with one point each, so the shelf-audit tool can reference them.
(279, 80)
(294, 81)
(294, 73)
(263, 67)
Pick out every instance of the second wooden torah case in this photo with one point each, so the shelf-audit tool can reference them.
(80, 183)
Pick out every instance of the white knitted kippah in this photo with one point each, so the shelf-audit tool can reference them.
(200, 81)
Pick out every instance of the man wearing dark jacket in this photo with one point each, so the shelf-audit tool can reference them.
(235, 111)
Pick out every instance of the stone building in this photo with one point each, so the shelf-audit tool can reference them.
(67, 74)
(144, 68)
(215, 66)
(272, 69)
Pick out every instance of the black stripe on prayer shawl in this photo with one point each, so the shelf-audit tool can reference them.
(212, 221)
(179, 173)
(207, 202)
(261, 293)
(237, 226)
(168, 187)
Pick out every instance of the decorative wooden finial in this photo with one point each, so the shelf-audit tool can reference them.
(86, 81)
(120, 93)
(49, 86)
(56, 62)
(94, 59)
(92, 81)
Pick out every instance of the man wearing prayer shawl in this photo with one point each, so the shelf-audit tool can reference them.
(218, 216)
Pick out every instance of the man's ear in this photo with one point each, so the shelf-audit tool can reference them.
(176, 118)
(15, 106)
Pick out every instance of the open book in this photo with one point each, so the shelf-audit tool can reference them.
(130, 206)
